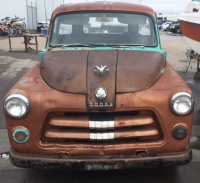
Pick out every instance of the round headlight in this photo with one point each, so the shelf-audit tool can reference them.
(182, 103)
(17, 106)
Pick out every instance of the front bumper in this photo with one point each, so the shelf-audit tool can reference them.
(98, 162)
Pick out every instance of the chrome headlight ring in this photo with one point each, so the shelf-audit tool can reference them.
(182, 103)
(17, 106)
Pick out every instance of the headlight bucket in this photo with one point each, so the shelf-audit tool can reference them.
(17, 106)
(180, 132)
(182, 103)
(21, 136)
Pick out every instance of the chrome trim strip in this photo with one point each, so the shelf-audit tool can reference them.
(101, 125)
(102, 136)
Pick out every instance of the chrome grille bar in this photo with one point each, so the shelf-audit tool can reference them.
(101, 125)
(102, 136)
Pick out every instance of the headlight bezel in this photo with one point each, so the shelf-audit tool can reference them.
(178, 95)
(23, 99)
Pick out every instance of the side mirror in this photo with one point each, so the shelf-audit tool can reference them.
(165, 54)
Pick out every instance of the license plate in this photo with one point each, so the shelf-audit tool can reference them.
(93, 166)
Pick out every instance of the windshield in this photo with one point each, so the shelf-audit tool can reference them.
(104, 29)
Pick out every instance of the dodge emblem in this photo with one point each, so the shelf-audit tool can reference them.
(101, 69)
(101, 93)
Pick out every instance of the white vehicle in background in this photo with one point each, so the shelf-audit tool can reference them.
(166, 25)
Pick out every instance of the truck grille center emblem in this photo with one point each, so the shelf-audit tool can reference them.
(101, 69)
(101, 93)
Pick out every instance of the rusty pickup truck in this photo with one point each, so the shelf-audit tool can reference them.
(103, 96)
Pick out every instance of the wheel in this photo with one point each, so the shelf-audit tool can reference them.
(85, 30)
(1, 32)
(178, 30)
(24, 25)
(12, 31)
(18, 27)
(19, 30)
(167, 29)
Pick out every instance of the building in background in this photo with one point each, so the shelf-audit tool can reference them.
(10, 8)
(51, 5)
(168, 17)
(33, 11)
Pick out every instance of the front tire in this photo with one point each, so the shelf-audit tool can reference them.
(178, 30)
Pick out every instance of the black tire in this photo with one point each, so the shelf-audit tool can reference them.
(24, 25)
(18, 27)
(178, 30)
(1, 32)
(19, 32)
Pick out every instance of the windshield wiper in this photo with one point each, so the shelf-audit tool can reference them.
(143, 46)
(120, 46)
(77, 44)
(71, 45)
(87, 45)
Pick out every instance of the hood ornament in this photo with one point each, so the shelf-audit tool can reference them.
(101, 69)
(101, 93)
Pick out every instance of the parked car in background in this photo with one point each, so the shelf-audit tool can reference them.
(175, 27)
(166, 25)
(161, 22)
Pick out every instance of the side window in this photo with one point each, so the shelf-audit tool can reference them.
(145, 29)
(65, 29)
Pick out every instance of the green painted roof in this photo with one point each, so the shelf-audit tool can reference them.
(196, 0)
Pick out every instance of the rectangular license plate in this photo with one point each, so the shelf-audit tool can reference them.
(100, 166)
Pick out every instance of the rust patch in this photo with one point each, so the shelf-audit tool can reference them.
(103, 6)
(98, 162)
(138, 70)
(107, 80)
(65, 70)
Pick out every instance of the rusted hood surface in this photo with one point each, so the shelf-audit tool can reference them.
(65, 70)
(138, 70)
(129, 71)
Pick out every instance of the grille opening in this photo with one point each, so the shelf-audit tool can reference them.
(129, 127)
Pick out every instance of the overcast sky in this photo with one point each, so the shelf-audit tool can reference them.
(160, 6)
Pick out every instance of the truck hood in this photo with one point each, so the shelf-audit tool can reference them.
(116, 71)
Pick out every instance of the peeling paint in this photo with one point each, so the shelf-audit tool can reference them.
(24, 82)
(162, 71)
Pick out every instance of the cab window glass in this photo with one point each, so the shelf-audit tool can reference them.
(104, 29)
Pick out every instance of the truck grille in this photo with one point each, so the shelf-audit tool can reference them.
(87, 127)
